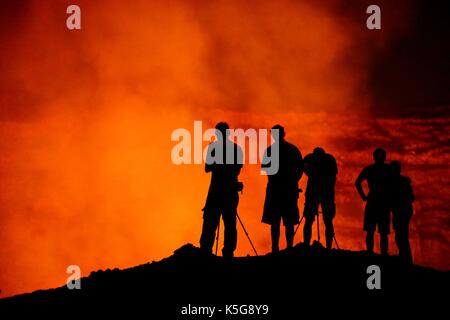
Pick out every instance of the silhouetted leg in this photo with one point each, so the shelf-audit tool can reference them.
(210, 222)
(307, 230)
(398, 232)
(384, 243)
(408, 253)
(328, 212)
(290, 236)
(329, 231)
(370, 224)
(370, 241)
(402, 241)
(275, 233)
(398, 237)
(384, 227)
(309, 213)
(230, 233)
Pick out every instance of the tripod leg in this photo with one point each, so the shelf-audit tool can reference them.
(298, 226)
(289, 236)
(275, 235)
(336, 242)
(318, 229)
(217, 237)
(246, 233)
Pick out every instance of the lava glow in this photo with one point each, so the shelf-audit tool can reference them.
(86, 118)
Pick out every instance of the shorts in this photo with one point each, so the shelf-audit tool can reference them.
(377, 214)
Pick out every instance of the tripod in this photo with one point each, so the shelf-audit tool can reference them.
(298, 226)
(245, 231)
(318, 229)
(217, 237)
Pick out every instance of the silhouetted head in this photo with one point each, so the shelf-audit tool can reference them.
(224, 129)
(396, 167)
(379, 155)
(319, 151)
(280, 129)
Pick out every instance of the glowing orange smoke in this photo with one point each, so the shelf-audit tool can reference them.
(86, 117)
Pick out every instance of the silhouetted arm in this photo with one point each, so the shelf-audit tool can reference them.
(265, 163)
(239, 160)
(300, 165)
(334, 170)
(307, 166)
(358, 184)
(209, 165)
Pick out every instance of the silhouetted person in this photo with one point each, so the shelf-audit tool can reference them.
(377, 210)
(321, 169)
(282, 189)
(224, 161)
(402, 198)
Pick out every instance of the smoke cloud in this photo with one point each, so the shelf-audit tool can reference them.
(86, 118)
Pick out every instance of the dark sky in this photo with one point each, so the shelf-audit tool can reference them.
(411, 77)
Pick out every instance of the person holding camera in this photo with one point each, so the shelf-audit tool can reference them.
(282, 189)
(321, 169)
(224, 160)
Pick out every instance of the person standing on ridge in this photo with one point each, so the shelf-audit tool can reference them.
(377, 210)
(282, 188)
(402, 198)
(224, 160)
(321, 169)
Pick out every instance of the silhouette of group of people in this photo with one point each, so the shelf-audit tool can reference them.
(389, 193)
